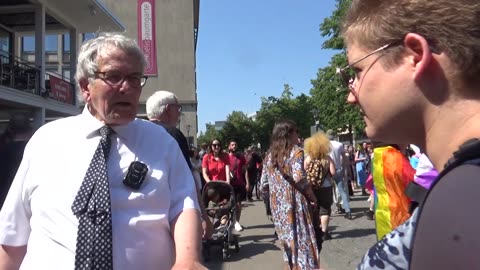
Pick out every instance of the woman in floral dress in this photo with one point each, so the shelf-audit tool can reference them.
(290, 210)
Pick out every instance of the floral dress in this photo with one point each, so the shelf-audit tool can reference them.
(290, 212)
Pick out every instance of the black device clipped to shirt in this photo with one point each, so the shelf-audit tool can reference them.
(135, 175)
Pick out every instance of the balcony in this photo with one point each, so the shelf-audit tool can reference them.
(22, 76)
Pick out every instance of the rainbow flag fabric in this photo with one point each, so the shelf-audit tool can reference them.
(392, 173)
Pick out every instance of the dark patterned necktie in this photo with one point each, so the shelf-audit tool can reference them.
(92, 208)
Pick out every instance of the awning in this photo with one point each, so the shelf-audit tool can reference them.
(84, 15)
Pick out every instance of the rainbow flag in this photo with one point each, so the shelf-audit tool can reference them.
(391, 174)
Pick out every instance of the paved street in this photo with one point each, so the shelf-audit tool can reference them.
(259, 250)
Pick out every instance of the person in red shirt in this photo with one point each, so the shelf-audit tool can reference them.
(238, 173)
(215, 164)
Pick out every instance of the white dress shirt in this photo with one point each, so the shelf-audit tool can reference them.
(37, 211)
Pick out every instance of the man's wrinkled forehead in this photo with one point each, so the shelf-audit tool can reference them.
(110, 53)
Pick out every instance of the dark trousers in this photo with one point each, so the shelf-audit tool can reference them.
(253, 183)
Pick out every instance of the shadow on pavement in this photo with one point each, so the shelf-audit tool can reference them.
(262, 226)
(358, 211)
(355, 233)
(264, 238)
(254, 247)
(359, 199)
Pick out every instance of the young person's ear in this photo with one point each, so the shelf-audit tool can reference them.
(418, 54)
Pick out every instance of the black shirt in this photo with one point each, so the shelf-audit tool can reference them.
(180, 138)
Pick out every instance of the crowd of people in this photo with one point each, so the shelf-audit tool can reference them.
(105, 190)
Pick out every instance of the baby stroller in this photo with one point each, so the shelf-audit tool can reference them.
(221, 198)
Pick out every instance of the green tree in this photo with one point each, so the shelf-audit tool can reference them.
(238, 127)
(297, 109)
(328, 93)
(331, 26)
(210, 134)
(329, 98)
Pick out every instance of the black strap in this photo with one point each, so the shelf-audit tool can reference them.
(327, 171)
(468, 152)
(289, 179)
(416, 193)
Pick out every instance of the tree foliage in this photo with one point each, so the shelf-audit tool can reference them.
(297, 109)
(329, 97)
(328, 93)
(238, 128)
(210, 134)
(331, 26)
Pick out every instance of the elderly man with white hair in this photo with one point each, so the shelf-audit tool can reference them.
(163, 109)
(102, 190)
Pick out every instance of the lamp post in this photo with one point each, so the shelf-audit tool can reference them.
(316, 113)
(188, 135)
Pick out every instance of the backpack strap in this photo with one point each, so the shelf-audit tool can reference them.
(417, 194)
(467, 153)
(325, 166)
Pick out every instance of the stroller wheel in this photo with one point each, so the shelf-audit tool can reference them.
(225, 254)
(235, 243)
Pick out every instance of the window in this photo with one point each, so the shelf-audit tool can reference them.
(66, 42)
(66, 74)
(88, 36)
(28, 44)
(4, 41)
(51, 43)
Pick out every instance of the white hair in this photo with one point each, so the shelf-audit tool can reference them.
(87, 63)
(156, 103)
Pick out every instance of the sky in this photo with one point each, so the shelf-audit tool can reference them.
(249, 49)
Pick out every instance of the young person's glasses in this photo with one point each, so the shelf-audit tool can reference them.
(215, 145)
(347, 75)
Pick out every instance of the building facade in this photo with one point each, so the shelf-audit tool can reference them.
(174, 33)
(175, 38)
(29, 90)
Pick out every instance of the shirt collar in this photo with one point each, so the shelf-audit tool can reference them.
(91, 126)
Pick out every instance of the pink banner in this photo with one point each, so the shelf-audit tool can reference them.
(146, 34)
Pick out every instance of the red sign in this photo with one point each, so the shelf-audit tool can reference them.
(146, 34)
(60, 90)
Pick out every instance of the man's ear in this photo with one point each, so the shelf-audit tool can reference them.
(167, 108)
(419, 54)
(85, 88)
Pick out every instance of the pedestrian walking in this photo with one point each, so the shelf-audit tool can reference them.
(216, 164)
(337, 155)
(290, 198)
(320, 170)
(238, 181)
(163, 109)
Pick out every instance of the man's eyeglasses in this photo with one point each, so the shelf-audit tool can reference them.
(345, 73)
(115, 78)
(179, 107)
